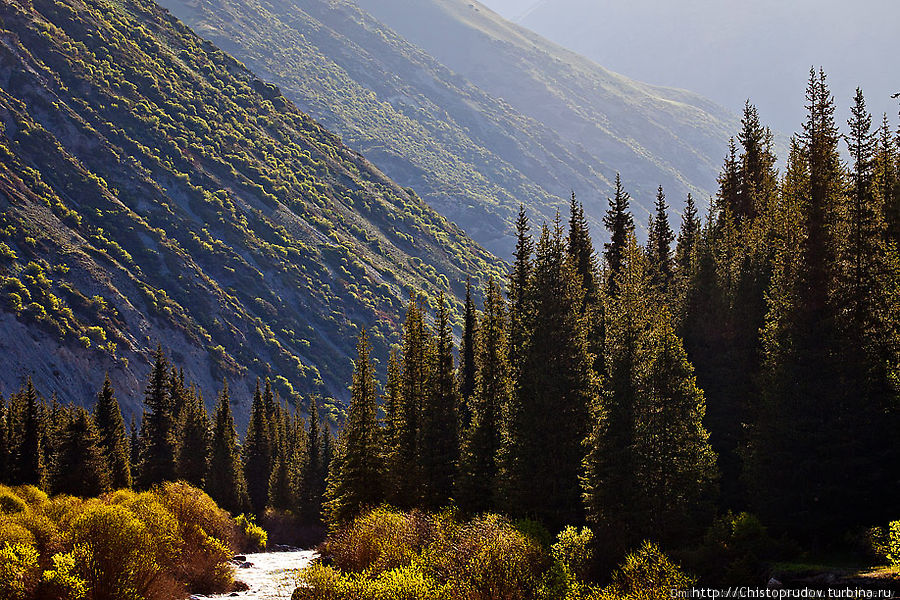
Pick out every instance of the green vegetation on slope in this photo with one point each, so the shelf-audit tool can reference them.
(153, 188)
(457, 130)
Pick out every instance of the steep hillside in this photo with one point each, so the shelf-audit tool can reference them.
(729, 50)
(476, 121)
(153, 190)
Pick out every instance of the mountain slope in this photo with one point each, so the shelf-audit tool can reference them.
(457, 130)
(154, 190)
(729, 50)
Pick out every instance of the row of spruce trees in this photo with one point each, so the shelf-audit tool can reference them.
(282, 463)
(754, 367)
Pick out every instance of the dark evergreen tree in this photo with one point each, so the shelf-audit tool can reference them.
(467, 359)
(517, 292)
(355, 480)
(649, 471)
(482, 440)
(811, 449)
(581, 252)
(158, 444)
(257, 453)
(4, 442)
(195, 437)
(113, 441)
(28, 455)
(545, 432)
(439, 437)
(79, 465)
(404, 472)
(887, 182)
(688, 240)
(312, 488)
(659, 245)
(730, 180)
(225, 478)
(620, 224)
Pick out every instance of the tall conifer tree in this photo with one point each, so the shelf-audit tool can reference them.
(620, 224)
(113, 440)
(225, 479)
(439, 439)
(355, 481)
(158, 446)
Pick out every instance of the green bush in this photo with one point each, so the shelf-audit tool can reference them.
(61, 582)
(646, 574)
(14, 533)
(893, 543)
(388, 554)
(380, 540)
(18, 571)
(10, 503)
(252, 537)
(115, 553)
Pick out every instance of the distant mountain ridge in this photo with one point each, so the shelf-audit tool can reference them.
(437, 95)
(153, 190)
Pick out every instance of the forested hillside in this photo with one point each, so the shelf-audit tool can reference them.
(154, 190)
(474, 113)
(729, 392)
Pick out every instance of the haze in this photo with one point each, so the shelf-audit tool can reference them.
(730, 51)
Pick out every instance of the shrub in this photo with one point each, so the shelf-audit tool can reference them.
(380, 540)
(252, 537)
(18, 571)
(488, 558)
(10, 503)
(61, 582)
(573, 550)
(32, 495)
(115, 552)
(646, 574)
(193, 506)
(12, 532)
(893, 543)
(319, 582)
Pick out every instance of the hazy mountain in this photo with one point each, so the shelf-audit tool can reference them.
(731, 50)
(474, 113)
(153, 190)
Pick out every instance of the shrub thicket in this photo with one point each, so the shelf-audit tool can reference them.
(154, 545)
(420, 556)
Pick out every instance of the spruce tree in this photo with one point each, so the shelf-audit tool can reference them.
(467, 359)
(482, 440)
(688, 239)
(225, 479)
(545, 432)
(730, 180)
(355, 481)
(649, 471)
(287, 462)
(79, 465)
(29, 451)
(439, 438)
(114, 443)
(158, 446)
(620, 224)
(811, 449)
(313, 484)
(659, 245)
(887, 182)
(581, 252)
(517, 293)
(257, 453)
(194, 434)
(404, 471)
(4, 442)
